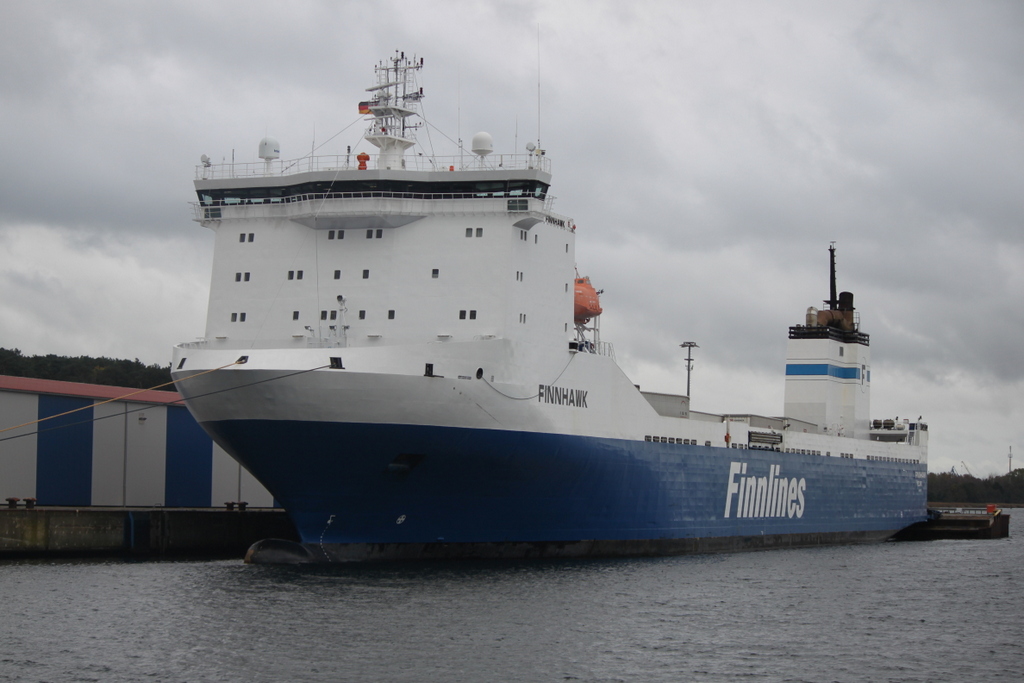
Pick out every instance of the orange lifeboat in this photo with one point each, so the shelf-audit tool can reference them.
(588, 305)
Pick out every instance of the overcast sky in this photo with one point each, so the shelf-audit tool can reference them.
(708, 151)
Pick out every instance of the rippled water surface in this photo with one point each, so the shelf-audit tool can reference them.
(936, 611)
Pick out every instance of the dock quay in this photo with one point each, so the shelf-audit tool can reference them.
(158, 532)
(153, 532)
(967, 523)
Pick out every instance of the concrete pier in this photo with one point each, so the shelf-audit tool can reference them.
(152, 532)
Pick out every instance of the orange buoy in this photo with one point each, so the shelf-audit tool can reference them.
(587, 302)
(362, 158)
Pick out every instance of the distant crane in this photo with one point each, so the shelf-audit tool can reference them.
(966, 468)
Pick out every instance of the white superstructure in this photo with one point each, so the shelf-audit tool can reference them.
(363, 252)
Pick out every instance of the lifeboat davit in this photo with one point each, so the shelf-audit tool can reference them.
(588, 304)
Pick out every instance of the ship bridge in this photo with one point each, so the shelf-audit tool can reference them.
(353, 198)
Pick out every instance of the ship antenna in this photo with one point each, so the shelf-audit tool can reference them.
(538, 86)
(833, 302)
(458, 111)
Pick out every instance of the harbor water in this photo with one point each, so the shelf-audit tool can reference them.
(931, 611)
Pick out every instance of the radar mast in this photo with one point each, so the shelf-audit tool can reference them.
(395, 98)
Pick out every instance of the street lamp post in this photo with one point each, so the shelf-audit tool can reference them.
(689, 346)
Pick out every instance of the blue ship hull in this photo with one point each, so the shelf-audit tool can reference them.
(363, 490)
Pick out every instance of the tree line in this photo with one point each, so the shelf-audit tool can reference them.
(108, 371)
(947, 487)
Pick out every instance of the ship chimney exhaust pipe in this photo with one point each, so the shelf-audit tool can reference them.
(833, 302)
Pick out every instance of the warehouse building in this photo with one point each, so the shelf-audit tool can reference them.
(65, 443)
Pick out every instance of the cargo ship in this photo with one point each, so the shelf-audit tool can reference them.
(400, 348)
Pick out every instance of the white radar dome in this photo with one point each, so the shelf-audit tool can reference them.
(483, 144)
(270, 148)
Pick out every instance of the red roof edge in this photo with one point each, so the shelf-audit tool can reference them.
(99, 391)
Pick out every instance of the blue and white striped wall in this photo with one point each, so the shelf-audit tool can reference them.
(140, 451)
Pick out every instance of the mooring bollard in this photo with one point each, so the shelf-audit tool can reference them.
(229, 505)
(12, 502)
(242, 505)
(30, 503)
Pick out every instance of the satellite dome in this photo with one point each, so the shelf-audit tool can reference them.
(270, 148)
(483, 144)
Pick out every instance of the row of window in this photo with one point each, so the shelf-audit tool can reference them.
(672, 439)
(298, 274)
(355, 188)
(464, 314)
(378, 233)
(693, 442)
(370, 234)
(883, 458)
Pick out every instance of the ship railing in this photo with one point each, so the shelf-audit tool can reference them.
(362, 203)
(349, 162)
(324, 343)
(602, 348)
(953, 510)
